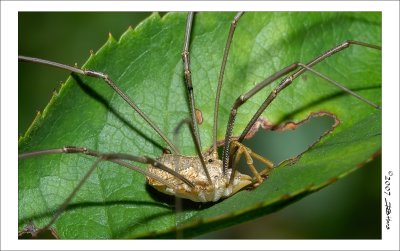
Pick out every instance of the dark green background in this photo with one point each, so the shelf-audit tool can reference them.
(349, 208)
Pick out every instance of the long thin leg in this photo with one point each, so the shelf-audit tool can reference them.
(116, 158)
(111, 83)
(239, 101)
(221, 77)
(113, 157)
(303, 68)
(188, 75)
(284, 83)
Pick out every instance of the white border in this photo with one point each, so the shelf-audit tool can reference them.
(9, 131)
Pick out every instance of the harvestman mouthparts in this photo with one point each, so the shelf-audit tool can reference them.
(204, 177)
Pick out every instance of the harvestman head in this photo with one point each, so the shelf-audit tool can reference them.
(207, 176)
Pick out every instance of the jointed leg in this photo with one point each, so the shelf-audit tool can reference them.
(117, 158)
(111, 83)
(249, 155)
(188, 75)
(283, 84)
(194, 128)
(221, 77)
(249, 161)
(307, 67)
(269, 165)
(238, 102)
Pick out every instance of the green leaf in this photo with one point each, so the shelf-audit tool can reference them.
(146, 63)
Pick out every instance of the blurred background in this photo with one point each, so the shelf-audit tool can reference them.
(347, 209)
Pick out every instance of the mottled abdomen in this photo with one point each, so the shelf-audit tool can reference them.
(191, 168)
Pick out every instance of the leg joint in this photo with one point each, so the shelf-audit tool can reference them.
(74, 149)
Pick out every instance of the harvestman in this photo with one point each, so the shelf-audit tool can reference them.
(204, 177)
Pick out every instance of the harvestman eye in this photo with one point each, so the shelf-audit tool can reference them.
(206, 177)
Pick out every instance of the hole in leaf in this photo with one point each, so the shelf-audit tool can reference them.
(281, 145)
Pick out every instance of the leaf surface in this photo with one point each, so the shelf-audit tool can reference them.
(146, 63)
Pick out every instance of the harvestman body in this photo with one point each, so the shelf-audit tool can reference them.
(204, 177)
